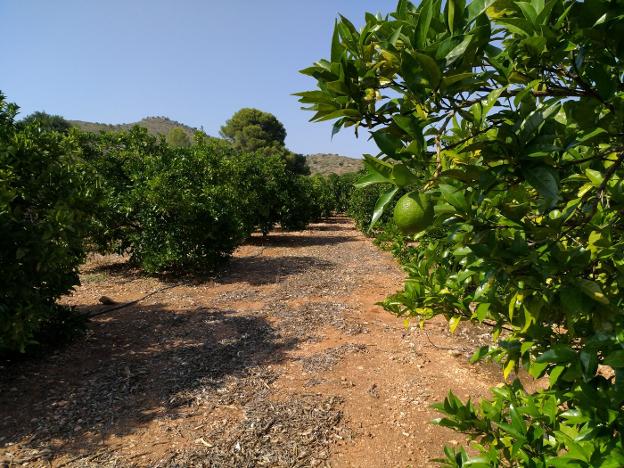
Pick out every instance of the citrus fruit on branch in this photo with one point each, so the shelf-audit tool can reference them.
(413, 213)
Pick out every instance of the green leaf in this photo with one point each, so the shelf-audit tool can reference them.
(516, 301)
(594, 176)
(402, 9)
(375, 165)
(575, 450)
(459, 50)
(478, 7)
(574, 301)
(351, 113)
(311, 97)
(558, 354)
(536, 369)
(511, 365)
(508, 428)
(544, 180)
(593, 290)
(482, 311)
(383, 200)
(403, 177)
(491, 99)
(530, 126)
(387, 143)
(517, 26)
(451, 80)
(479, 354)
(528, 11)
(591, 135)
(415, 147)
(478, 462)
(526, 346)
(589, 362)
(348, 25)
(554, 375)
(370, 179)
(516, 420)
(454, 196)
(409, 124)
(337, 49)
(395, 36)
(430, 66)
(454, 322)
(615, 359)
(455, 14)
(424, 21)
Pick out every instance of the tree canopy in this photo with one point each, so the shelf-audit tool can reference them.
(252, 129)
(178, 138)
(47, 196)
(509, 115)
(45, 121)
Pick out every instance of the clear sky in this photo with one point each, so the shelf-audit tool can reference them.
(198, 62)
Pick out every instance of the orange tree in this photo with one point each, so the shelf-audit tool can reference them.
(188, 208)
(510, 117)
(47, 196)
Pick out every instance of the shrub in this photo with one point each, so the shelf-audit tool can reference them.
(47, 195)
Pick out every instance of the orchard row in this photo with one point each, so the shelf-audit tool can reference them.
(169, 207)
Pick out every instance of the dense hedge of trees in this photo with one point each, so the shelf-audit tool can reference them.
(47, 198)
(508, 117)
(168, 203)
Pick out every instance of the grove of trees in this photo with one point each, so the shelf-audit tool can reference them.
(508, 117)
(170, 204)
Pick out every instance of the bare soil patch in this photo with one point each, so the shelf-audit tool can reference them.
(283, 359)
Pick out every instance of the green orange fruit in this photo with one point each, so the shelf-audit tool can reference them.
(413, 213)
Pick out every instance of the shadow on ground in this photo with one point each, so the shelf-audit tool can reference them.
(259, 270)
(252, 269)
(292, 240)
(131, 367)
(331, 227)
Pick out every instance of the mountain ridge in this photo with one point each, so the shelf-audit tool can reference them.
(156, 125)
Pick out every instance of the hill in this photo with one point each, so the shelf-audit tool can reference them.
(332, 163)
(155, 125)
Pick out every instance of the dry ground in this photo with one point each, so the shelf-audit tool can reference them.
(282, 360)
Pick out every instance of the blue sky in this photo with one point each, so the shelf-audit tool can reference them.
(197, 62)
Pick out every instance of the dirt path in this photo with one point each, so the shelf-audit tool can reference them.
(284, 360)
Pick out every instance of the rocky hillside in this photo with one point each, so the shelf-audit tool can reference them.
(155, 125)
(332, 163)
